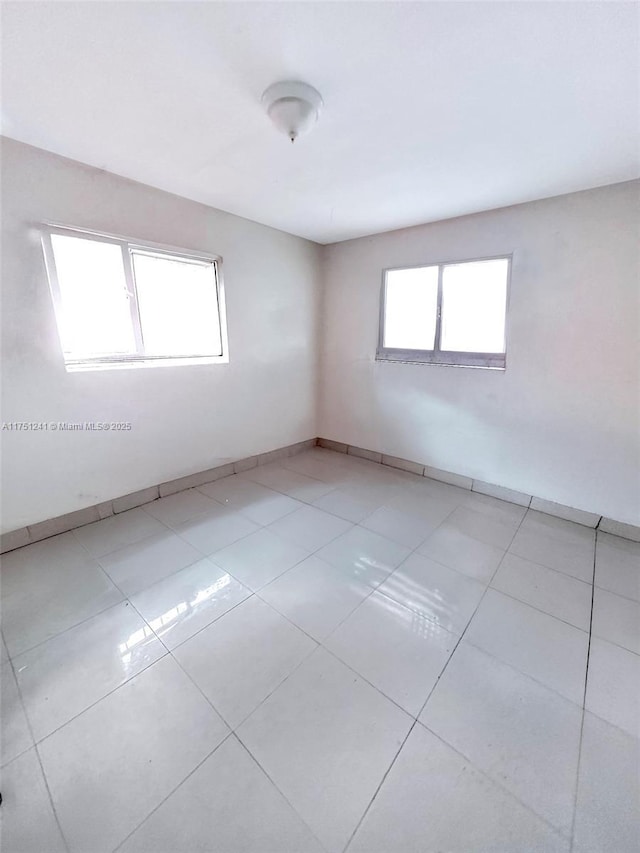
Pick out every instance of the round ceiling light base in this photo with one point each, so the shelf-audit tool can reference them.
(292, 106)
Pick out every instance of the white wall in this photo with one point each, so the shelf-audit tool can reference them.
(562, 422)
(185, 419)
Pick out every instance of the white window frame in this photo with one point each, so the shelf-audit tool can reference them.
(128, 246)
(490, 360)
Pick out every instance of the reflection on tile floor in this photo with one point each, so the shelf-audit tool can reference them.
(322, 654)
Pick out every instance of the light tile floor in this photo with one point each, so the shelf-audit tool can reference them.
(318, 655)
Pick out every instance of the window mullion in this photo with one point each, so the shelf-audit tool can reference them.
(132, 296)
(436, 345)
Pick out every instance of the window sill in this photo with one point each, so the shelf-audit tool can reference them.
(475, 361)
(441, 364)
(135, 363)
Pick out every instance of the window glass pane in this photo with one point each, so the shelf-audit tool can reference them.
(178, 306)
(474, 301)
(410, 308)
(94, 317)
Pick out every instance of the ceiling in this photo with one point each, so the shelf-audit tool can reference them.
(432, 109)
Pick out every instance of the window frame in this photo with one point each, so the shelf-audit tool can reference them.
(449, 358)
(137, 358)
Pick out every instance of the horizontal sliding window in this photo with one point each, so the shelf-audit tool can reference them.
(446, 314)
(122, 303)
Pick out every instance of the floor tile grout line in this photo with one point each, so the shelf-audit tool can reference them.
(202, 556)
(312, 553)
(281, 464)
(416, 612)
(526, 675)
(458, 635)
(337, 657)
(550, 568)
(291, 622)
(197, 489)
(482, 597)
(233, 730)
(38, 757)
(374, 589)
(414, 723)
(240, 509)
(288, 494)
(558, 572)
(417, 718)
(183, 670)
(488, 583)
(246, 535)
(98, 557)
(445, 565)
(277, 787)
(286, 678)
(584, 702)
(297, 666)
(204, 627)
(66, 630)
(412, 552)
(499, 784)
(126, 601)
(334, 485)
(50, 795)
(617, 646)
(113, 690)
(538, 609)
(321, 643)
(128, 595)
(265, 525)
(125, 598)
(168, 653)
(228, 735)
(484, 652)
(16, 757)
(617, 594)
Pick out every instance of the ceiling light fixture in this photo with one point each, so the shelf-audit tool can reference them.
(292, 106)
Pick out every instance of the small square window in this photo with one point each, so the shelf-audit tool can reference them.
(446, 314)
(119, 303)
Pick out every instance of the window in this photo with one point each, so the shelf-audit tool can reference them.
(122, 304)
(446, 314)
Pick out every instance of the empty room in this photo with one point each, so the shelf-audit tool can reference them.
(320, 427)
